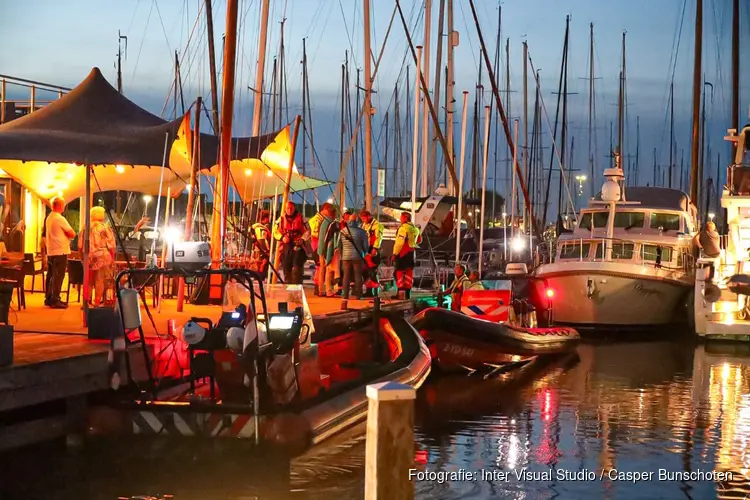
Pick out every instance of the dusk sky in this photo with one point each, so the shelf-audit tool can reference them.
(67, 39)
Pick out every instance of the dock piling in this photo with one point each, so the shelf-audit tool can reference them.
(390, 441)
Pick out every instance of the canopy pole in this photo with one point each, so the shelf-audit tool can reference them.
(195, 160)
(288, 179)
(86, 248)
(285, 195)
(273, 251)
(164, 242)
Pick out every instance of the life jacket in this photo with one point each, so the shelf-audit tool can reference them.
(374, 232)
(407, 239)
(292, 225)
(315, 223)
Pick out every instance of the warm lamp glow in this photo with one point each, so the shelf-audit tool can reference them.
(248, 172)
(147, 198)
(119, 169)
(269, 173)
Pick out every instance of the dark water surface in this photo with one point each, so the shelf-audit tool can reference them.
(634, 407)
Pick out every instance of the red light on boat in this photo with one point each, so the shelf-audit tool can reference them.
(550, 293)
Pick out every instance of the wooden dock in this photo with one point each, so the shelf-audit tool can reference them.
(43, 393)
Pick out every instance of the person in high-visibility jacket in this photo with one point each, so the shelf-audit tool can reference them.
(374, 230)
(460, 282)
(327, 213)
(261, 238)
(407, 239)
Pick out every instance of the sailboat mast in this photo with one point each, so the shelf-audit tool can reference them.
(496, 69)
(564, 138)
(368, 108)
(212, 67)
(591, 109)
(258, 103)
(425, 189)
(637, 148)
(396, 138)
(438, 78)
(621, 105)
(735, 111)
(342, 173)
(304, 105)
(450, 86)
(227, 106)
(671, 131)
(697, 72)
(525, 149)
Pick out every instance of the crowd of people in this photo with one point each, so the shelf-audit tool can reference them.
(346, 250)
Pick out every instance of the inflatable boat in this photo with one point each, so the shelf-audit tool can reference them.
(460, 342)
(269, 377)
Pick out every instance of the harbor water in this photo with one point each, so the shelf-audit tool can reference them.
(661, 419)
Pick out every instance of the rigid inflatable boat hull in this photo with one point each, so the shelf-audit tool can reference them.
(300, 424)
(459, 341)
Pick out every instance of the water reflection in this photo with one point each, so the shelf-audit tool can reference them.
(633, 407)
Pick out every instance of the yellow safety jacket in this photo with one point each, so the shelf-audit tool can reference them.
(407, 239)
(262, 235)
(374, 232)
(314, 223)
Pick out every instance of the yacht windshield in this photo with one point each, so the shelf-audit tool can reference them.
(629, 220)
(600, 220)
(667, 222)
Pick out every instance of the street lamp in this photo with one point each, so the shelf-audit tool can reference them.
(581, 179)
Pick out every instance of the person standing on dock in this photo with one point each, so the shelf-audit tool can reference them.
(58, 234)
(353, 241)
(315, 224)
(374, 230)
(261, 243)
(102, 249)
(327, 244)
(293, 234)
(404, 250)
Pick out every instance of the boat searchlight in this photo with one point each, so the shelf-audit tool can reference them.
(611, 188)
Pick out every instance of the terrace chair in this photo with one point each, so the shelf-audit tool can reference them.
(15, 277)
(75, 278)
(32, 267)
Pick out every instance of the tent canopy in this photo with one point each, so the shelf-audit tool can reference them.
(95, 125)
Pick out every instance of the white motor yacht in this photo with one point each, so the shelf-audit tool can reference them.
(722, 287)
(628, 263)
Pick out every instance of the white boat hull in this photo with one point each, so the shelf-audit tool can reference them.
(614, 294)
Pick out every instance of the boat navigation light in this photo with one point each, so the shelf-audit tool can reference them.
(550, 293)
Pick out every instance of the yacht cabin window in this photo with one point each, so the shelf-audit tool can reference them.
(574, 250)
(649, 253)
(622, 251)
(629, 220)
(668, 222)
(600, 220)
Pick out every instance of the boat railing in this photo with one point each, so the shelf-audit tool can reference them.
(681, 259)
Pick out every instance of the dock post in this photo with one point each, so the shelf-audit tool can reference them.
(390, 441)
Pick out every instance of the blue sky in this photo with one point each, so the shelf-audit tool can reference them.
(68, 38)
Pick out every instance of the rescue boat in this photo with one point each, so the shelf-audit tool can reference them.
(266, 377)
(491, 332)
